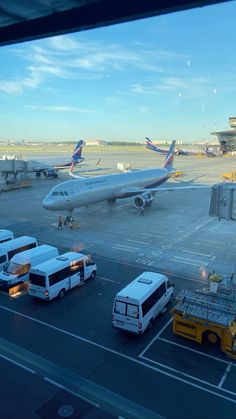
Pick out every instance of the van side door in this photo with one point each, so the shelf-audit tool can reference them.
(76, 272)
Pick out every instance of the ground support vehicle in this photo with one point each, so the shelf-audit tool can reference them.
(204, 316)
(53, 278)
(229, 177)
(137, 305)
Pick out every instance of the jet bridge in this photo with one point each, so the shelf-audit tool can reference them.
(223, 201)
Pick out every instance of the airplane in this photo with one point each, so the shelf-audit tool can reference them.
(141, 184)
(12, 165)
(153, 147)
(178, 151)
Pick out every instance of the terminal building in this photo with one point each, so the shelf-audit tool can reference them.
(227, 139)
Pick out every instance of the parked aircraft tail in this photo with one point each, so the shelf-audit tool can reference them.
(153, 147)
(170, 157)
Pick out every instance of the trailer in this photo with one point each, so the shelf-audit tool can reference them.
(204, 316)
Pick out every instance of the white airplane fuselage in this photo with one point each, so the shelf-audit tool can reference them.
(84, 191)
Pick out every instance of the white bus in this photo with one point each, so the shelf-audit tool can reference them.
(53, 278)
(17, 270)
(10, 248)
(136, 306)
(6, 235)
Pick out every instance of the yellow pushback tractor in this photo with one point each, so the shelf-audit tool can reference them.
(203, 316)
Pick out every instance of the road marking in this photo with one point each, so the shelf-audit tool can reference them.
(155, 337)
(186, 262)
(71, 391)
(106, 279)
(137, 241)
(124, 250)
(17, 363)
(196, 253)
(127, 247)
(194, 350)
(225, 375)
(137, 361)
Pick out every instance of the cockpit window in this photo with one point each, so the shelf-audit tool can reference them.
(55, 193)
(62, 193)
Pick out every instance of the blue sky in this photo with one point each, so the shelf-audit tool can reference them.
(167, 77)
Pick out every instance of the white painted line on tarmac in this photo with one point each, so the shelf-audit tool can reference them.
(137, 241)
(197, 253)
(17, 363)
(71, 391)
(107, 279)
(127, 247)
(155, 337)
(134, 360)
(194, 350)
(225, 375)
(124, 250)
(186, 262)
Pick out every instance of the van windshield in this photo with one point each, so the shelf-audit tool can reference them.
(17, 269)
(36, 279)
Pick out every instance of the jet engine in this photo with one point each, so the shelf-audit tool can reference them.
(50, 173)
(144, 200)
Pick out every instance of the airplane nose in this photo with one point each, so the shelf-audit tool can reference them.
(48, 203)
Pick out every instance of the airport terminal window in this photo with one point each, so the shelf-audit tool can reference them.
(36, 279)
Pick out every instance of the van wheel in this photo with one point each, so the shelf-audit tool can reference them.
(61, 293)
(150, 324)
(93, 274)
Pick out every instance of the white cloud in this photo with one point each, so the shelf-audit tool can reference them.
(60, 108)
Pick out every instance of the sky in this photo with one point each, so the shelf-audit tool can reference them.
(166, 77)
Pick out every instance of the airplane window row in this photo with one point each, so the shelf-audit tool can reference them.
(60, 193)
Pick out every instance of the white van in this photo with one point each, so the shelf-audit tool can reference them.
(10, 248)
(53, 278)
(136, 306)
(6, 235)
(17, 270)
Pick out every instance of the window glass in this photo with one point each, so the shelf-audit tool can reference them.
(11, 253)
(59, 276)
(3, 258)
(36, 279)
(120, 307)
(18, 269)
(76, 266)
(132, 310)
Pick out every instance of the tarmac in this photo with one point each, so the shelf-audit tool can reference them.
(68, 347)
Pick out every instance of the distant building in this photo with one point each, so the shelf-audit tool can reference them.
(227, 138)
(95, 142)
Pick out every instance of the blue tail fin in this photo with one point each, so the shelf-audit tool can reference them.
(153, 147)
(76, 156)
(170, 157)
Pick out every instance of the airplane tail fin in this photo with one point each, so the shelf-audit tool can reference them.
(153, 147)
(170, 157)
(77, 153)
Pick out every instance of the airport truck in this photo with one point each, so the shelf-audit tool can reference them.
(204, 316)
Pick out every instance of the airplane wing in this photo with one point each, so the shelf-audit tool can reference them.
(137, 191)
